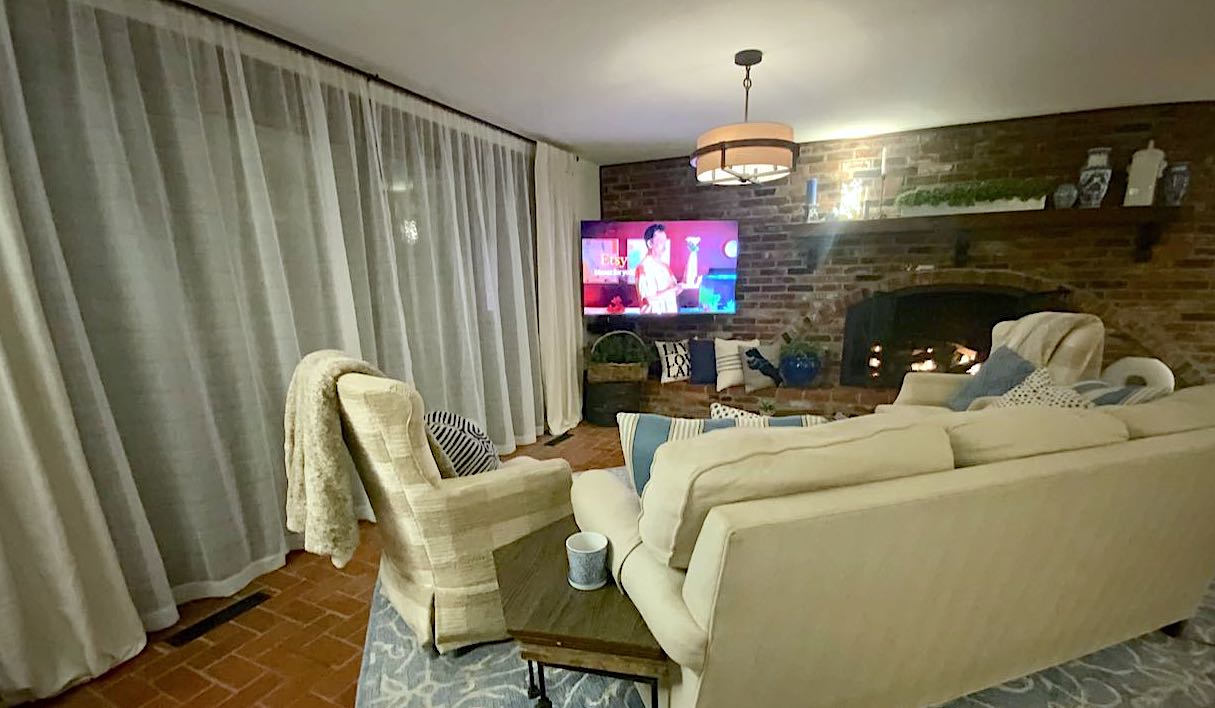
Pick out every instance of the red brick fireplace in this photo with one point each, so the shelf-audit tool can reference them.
(1163, 307)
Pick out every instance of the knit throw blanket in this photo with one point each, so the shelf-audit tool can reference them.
(1071, 345)
(320, 503)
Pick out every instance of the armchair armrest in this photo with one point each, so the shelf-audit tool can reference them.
(491, 509)
(462, 521)
(930, 389)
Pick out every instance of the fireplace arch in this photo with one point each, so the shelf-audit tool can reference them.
(1126, 335)
(933, 328)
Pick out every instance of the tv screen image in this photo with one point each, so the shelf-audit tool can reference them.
(658, 268)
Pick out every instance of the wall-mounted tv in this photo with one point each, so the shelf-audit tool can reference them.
(659, 268)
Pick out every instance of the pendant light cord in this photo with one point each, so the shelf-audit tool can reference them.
(747, 96)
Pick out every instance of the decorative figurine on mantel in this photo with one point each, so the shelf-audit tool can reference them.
(1095, 178)
(812, 215)
(1147, 166)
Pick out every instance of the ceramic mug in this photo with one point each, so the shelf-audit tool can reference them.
(587, 553)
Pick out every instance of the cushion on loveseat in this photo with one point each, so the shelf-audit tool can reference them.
(690, 477)
(1187, 409)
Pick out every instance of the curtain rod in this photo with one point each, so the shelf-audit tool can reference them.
(264, 34)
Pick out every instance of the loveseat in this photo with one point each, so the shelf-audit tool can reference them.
(912, 557)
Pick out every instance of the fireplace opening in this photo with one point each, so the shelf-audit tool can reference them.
(941, 328)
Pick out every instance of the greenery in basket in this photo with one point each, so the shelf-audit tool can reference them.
(623, 350)
(799, 345)
(963, 194)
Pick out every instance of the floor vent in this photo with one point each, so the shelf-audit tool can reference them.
(210, 622)
(559, 439)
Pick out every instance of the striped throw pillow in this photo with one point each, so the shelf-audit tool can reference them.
(1103, 393)
(729, 361)
(642, 433)
(465, 445)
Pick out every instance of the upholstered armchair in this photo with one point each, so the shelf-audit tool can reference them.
(439, 534)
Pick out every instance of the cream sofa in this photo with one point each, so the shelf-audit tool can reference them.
(906, 559)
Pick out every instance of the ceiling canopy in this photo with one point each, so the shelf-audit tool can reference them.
(625, 80)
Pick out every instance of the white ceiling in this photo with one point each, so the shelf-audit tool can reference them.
(623, 80)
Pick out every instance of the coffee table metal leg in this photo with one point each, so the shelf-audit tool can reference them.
(543, 701)
(654, 693)
(532, 691)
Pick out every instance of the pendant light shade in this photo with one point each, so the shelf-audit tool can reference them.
(745, 153)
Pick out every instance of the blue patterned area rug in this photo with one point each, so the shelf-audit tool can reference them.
(1153, 671)
(398, 673)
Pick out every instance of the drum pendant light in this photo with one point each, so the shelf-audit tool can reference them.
(745, 153)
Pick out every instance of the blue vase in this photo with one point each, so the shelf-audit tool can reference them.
(800, 371)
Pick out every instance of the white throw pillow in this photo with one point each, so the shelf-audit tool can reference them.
(1039, 389)
(676, 362)
(729, 361)
(747, 419)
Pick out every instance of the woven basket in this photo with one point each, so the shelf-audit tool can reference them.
(614, 373)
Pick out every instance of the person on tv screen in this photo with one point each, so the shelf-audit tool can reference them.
(656, 284)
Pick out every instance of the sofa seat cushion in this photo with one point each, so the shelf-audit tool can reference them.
(998, 434)
(1187, 409)
(690, 477)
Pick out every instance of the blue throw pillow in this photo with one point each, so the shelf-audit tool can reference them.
(704, 361)
(465, 445)
(1002, 371)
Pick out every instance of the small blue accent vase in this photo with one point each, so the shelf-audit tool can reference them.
(800, 371)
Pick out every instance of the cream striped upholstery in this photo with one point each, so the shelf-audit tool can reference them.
(439, 534)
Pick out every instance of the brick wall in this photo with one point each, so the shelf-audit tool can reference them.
(1164, 308)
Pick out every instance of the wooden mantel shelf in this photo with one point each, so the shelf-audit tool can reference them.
(1148, 223)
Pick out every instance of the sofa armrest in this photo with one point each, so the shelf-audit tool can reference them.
(491, 509)
(930, 389)
(604, 504)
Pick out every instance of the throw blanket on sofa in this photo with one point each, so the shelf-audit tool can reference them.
(1071, 345)
(319, 500)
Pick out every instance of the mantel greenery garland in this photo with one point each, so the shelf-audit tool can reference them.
(963, 194)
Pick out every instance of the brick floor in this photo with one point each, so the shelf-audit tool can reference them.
(303, 646)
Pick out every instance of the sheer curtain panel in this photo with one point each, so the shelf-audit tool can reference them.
(65, 613)
(202, 206)
(567, 191)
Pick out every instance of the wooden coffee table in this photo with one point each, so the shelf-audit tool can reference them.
(596, 631)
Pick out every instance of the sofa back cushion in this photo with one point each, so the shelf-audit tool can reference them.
(1188, 409)
(690, 477)
(642, 434)
(998, 434)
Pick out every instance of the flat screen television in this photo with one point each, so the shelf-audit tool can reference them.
(659, 268)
